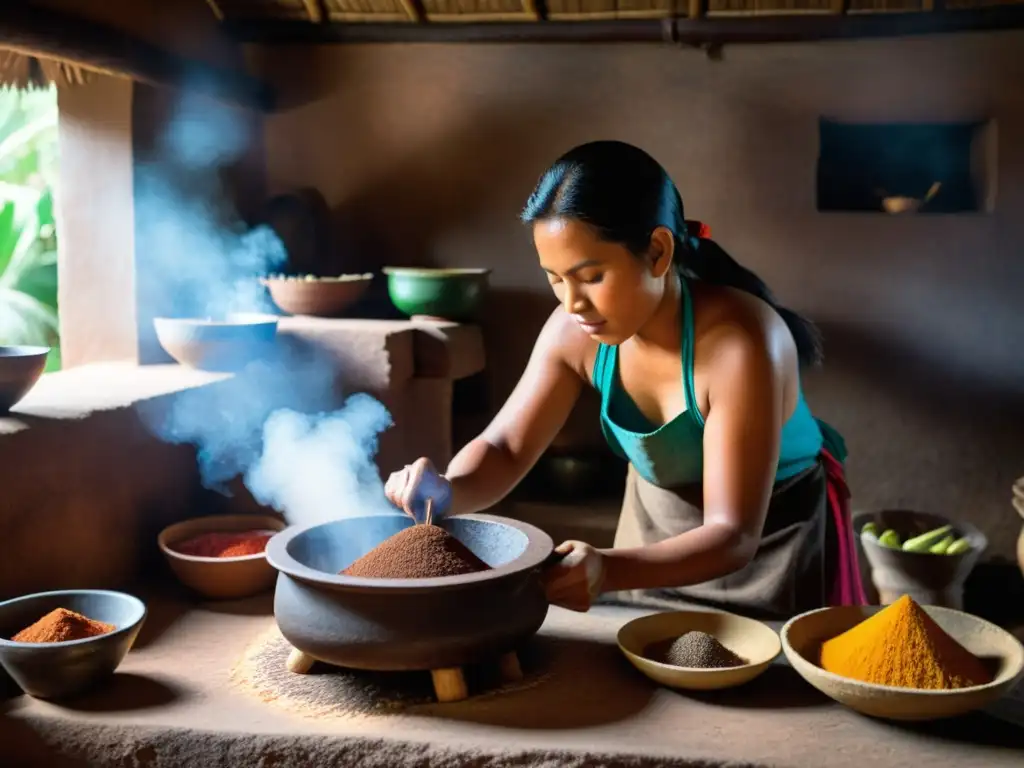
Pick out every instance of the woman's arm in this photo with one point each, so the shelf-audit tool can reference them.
(741, 450)
(490, 466)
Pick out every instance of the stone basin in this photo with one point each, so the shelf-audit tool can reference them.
(408, 624)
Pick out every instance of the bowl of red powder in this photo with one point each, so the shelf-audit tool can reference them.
(222, 557)
(56, 645)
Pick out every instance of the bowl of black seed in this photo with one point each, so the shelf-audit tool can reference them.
(699, 650)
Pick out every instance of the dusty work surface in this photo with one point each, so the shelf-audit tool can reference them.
(193, 693)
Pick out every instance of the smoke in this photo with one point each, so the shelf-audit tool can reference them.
(274, 425)
(196, 256)
(320, 467)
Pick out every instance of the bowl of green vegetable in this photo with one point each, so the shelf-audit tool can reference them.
(919, 554)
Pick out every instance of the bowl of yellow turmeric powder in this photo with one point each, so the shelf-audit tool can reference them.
(903, 661)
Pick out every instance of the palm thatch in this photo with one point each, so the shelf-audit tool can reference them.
(441, 11)
(23, 70)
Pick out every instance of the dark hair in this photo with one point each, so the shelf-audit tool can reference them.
(625, 194)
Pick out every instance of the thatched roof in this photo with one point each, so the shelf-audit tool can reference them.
(24, 70)
(426, 11)
(63, 41)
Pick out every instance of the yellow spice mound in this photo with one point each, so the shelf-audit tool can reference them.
(903, 646)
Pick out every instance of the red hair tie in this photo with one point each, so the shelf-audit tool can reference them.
(698, 229)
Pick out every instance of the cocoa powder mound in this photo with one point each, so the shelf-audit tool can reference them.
(61, 625)
(418, 552)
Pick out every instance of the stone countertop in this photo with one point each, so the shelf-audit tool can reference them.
(175, 702)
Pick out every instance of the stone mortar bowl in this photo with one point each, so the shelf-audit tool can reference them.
(66, 669)
(408, 624)
(929, 579)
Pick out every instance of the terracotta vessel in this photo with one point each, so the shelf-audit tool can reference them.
(317, 297)
(408, 624)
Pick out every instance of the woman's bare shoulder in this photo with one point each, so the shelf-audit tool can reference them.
(563, 340)
(729, 316)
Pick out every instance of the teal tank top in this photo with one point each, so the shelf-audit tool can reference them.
(672, 455)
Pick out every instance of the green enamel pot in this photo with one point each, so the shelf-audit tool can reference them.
(448, 294)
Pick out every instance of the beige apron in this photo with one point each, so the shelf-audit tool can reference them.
(788, 572)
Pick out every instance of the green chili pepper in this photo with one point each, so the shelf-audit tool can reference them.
(925, 541)
(890, 539)
(959, 546)
(941, 547)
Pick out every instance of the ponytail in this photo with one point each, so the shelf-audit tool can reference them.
(706, 260)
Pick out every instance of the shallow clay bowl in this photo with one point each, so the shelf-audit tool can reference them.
(747, 638)
(220, 578)
(20, 369)
(408, 624)
(323, 297)
(226, 345)
(803, 636)
(63, 670)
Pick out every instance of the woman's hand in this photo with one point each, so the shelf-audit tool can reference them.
(410, 487)
(577, 579)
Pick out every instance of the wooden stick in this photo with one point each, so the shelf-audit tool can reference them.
(429, 514)
(449, 684)
(511, 672)
(299, 662)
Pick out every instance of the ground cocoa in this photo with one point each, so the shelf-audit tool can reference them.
(61, 625)
(418, 552)
(694, 650)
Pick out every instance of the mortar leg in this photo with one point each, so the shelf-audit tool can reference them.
(298, 662)
(449, 684)
(511, 672)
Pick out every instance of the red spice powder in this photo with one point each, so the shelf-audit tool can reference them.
(61, 625)
(224, 544)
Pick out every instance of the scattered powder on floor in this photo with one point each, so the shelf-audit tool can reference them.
(61, 625)
(697, 650)
(901, 645)
(418, 552)
(236, 544)
(328, 691)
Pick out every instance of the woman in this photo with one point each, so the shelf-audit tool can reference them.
(698, 370)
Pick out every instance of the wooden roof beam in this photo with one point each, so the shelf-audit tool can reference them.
(59, 35)
(706, 31)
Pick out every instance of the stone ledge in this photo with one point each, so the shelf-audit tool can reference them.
(394, 350)
(173, 703)
(77, 392)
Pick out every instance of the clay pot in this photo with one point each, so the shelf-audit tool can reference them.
(929, 579)
(408, 624)
(317, 297)
(220, 578)
(20, 369)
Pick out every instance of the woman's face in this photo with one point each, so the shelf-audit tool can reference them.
(606, 289)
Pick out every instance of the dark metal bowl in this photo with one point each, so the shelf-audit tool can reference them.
(20, 369)
(407, 624)
(62, 670)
